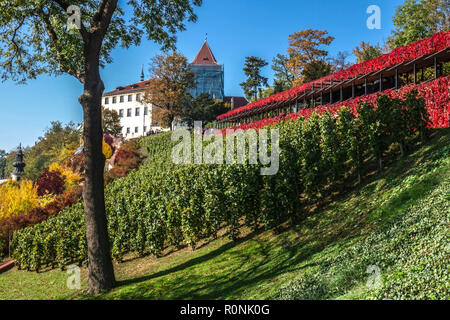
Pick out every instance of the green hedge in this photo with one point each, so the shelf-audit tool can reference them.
(164, 204)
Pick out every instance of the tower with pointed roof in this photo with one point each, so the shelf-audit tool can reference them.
(209, 74)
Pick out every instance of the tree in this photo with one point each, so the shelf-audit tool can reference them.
(203, 108)
(55, 37)
(255, 81)
(316, 69)
(366, 51)
(168, 88)
(305, 47)
(57, 144)
(111, 122)
(339, 62)
(282, 76)
(2, 164)
(416, 20)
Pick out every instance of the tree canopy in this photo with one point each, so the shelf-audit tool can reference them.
(417, 20)
(366, 51)
(255, 81)
(306, 46)
(35, 37)
(111, 122)
(203, 108)
(168, 88)
(283, 77)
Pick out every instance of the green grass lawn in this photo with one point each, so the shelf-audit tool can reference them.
(399, 221)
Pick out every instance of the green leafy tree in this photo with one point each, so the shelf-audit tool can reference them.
(53, 146)
(54, 37)
(283, 78)
(419, 19)
(255, 81)
(111, 122)
(316, 69)
(366, 51)
(203, 108)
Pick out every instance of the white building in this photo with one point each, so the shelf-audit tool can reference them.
(135, 115)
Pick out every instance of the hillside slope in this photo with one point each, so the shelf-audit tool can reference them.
(398, 224)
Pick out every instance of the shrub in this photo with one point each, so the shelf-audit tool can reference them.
(37, 215)
(50, 182)
(17, 198)
(106, 149)
(71, 179)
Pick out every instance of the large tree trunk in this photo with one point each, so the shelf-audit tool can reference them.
(101, 272)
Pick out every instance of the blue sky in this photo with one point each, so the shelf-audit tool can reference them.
(236, 29)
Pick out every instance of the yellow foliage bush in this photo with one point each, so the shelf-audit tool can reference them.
(107, 151)
(17, 198)
(66, 152)
(71, 178)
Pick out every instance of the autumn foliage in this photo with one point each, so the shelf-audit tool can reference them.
(50, 182)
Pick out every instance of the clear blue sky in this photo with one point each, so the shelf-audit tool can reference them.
(236, 29)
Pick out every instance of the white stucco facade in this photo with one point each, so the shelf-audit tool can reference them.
(135, 115)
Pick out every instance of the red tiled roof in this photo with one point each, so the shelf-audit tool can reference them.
(205, 56)
(139, 86)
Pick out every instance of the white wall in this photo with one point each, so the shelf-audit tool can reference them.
(143, 123)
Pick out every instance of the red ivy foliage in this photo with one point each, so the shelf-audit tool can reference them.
(436, 94)
(50, 182)
(436, 43)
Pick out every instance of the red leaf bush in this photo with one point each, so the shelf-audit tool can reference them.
(50, 182)
(415, 50)
(436, 94)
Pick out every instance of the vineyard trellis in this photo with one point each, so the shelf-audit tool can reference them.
(163, 204)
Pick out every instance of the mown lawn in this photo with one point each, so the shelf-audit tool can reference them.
(385, 214)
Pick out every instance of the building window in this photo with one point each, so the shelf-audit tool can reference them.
(128, 130)
(137, 112)
(136, 129)
(121, 113)
(114, 99)
(122, 99)
(145, 111)
(129, 112)
(130, 98)
(145, 129)
(138, 97)
(106, 100)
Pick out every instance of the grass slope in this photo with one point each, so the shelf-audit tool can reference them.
(399, 223)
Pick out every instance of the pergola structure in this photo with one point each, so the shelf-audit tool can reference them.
(328, 91)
